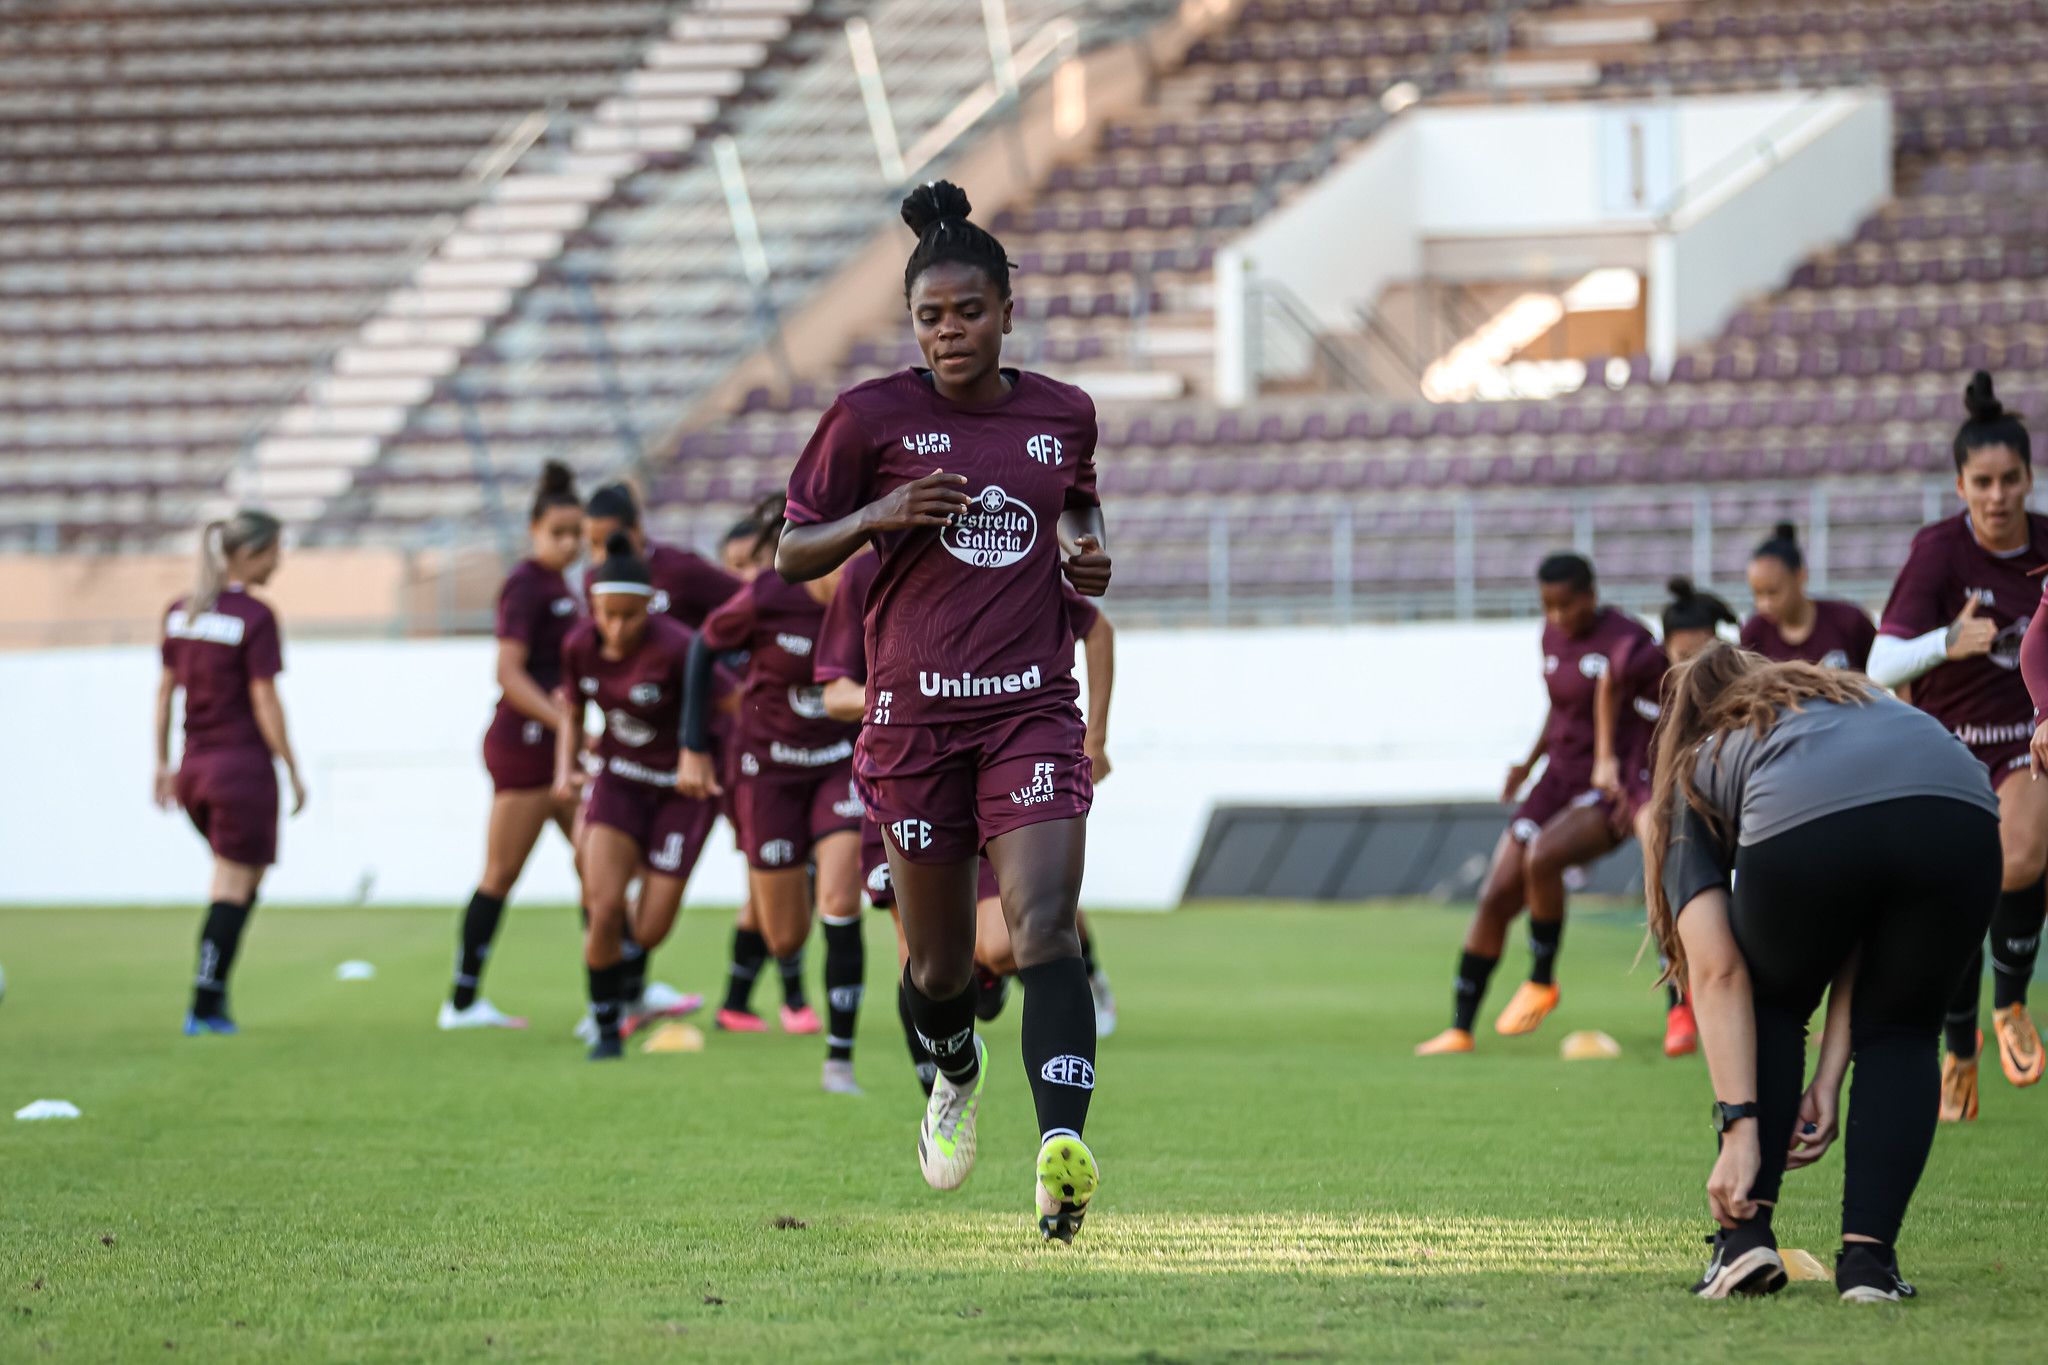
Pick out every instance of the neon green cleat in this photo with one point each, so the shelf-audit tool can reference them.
(1067, 1180)
(945, 1140)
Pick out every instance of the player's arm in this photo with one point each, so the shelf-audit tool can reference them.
(1098, 648)
(846, 699)
(568, 723)
(269, 709)
(1717, 980)
(1519, 773)
(1084, 550)
(696, 775)
(518, 685)
(811, 551)
(166, 785)
(1821, 1107)
(1606, 710)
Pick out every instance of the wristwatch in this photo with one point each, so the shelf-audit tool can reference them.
(1727, 1115)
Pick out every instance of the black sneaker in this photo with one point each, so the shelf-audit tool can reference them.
(990, 991)
(1868, 1273)
(1745, 1262)
(608, 1048)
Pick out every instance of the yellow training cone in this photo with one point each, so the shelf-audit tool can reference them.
(1802, 1265)
(674, 1036)
(1589, 1045)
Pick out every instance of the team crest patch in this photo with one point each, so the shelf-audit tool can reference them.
(645, 694)
(996, 532)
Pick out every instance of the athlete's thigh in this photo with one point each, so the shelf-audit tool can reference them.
(837, 857)
(1574, 836)
(1503, 880)
(781, 899)
(934, 903)
(517, 818)
(654, 914)
(992, 937)
(2023, 828)
(611, 859)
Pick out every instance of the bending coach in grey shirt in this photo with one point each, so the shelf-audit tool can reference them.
(1860, 840)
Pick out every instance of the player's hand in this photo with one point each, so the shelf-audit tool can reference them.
(1098, 757)
(1087, 568)
(165, 789)
(1970, 635)
(568, 786)
(697, 777)
(934, 500)
(2037, 752)
(1607, 777)
(1819, 1124)
(1734, 1175)
(1517, 775)
(298, 790)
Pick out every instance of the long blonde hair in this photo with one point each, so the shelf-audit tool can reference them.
(219, 540)
(1720, 690)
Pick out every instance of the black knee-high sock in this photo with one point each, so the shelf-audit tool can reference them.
(2015, 943)
(632, 970)
(1959, 1029)
(1059, 1043)
(920, 1055)
(1474, 971)
(1543, 939)
(749, 951)
(219, 940)
(946, 1028)
(792, 969)
(1087, 948)
(479, 928)
(1893, 1099)
(846, 969)
(606, 986)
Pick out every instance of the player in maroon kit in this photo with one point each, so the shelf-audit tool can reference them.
(793, 792)
(1790, 625)
(976, 485)
(1562, 823)
(221, 646)
(630, 663)
(536, 610)
(1952, 630)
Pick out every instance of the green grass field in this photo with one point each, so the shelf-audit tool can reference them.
(1282, 1179)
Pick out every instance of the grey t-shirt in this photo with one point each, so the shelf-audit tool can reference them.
(1818, 760)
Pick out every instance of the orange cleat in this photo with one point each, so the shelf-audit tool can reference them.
(2019, 1044)
(1681, 1034)
(1450, 1040)
(1959, 1086)
(1531, 1006)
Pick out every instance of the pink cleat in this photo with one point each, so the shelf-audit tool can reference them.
(739, 1021)
(804, 1020)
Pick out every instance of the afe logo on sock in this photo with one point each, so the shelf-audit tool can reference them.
(845, 999)
(1067, 1069)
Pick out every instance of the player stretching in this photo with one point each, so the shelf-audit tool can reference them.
(976, 484)
(1564, 821)
(221, 646)
(536, 611)
(1952, 629)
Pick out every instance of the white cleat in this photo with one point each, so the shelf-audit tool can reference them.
(1067, 1179)
(838, 1078)
(945, 1140)
(585, 1031)
(1105, 1004)
(659, 998)
(480, 1014)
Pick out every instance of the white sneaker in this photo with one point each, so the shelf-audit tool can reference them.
(586, 1029)
(945, 1140)
(480, 1014)
(660, 998)
(1105, 1004)
(838, 1078)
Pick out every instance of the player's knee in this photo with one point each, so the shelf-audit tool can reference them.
(498, 879)
(2024, 863)
(782, 940)
(839, 902)
(1043, 931)
(941, 978)
(1547, 859)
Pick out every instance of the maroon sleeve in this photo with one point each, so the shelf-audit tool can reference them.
(1862, 635)
(2034, 657)
(262, 653)
(701, 589)
(842, 638)
(1081, 613)
(1082, 493)
(1752, 632)
(833, 476)
(516, 603)
(169, 651)
(1643, 669)
(731, 625)
(1915, 604)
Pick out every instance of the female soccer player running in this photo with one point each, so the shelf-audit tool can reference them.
(976, 485)
(221, 647)
(1790, 625)
(1860, 842)
(1564, 821)
(536, 610)
(632, 665)
(793, 790)
(1952, 629)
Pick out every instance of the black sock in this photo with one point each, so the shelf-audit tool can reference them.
(632, 970)
(920, 1055)
(1894, 1103)
(1672, 999)
(1087, 948)
(846, 969)
(1474, 972)
(1059, 1043)
(792, 969)
(219, 939)
(1959, 1029)
(605, 986)
(2015, 942)
(479, 927)
(946, 1028)
(1543, 939)
(749, 951)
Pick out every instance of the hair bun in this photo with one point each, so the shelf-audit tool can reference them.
(557, 478)
(935, 202)
(1681, 589)
(619, 545)
(1980, 401)
(1786, 532)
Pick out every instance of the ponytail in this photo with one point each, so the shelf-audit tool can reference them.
(222, 539)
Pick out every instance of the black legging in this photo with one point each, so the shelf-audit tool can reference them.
(1913, 884)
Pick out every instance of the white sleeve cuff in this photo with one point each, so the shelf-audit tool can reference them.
(1895, 662)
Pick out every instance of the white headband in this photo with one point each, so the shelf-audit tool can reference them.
(622, 585)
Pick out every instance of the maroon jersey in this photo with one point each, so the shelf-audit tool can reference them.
(687, 586)
(1841, 638)
(783, 725)
(641, 697)
(1639, 677)
(536, 608)
(964, 621)
(215, 655)
(1982, 700)
(1572, 669)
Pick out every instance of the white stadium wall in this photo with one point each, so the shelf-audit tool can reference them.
(388, 734)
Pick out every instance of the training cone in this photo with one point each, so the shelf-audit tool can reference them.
(1804, 1265)
(674, 1036)
(1589, 1045)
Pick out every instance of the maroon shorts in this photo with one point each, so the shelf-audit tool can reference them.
(944, 791)
(669, 827)
(231, 797)
(2002, 760)
(782, 817)
(1553, 795)
(519, 752)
